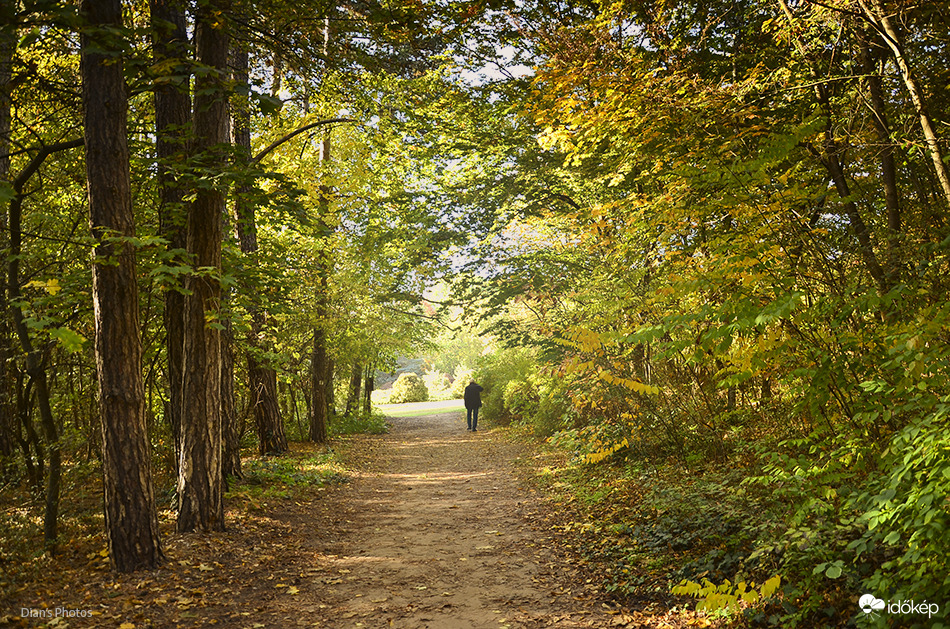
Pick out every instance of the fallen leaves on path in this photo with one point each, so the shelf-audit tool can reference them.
(434, 529)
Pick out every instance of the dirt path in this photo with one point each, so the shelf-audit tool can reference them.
(439, 533)
(433, 531)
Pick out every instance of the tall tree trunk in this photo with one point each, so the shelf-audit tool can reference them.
(200, 479)
(130, 514)
(368, 387)
(231, 439)
(35, 367)
(172, 117)
(828, 155)
(881, 19)
(262, 383)
(330, 389)
(7, 408)
(353, 392)
(321, 371)
(34, 455)
(888, 167)
(318, 389)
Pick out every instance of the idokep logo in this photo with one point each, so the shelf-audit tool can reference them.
(871, 605)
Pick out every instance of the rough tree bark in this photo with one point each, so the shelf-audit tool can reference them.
(130, 514)
(172, 117)
(320, 370)
(353, 393)
(7, 408)
(828, 155)
(35, 366)
(231, 431)
(200, 477)
(318, 390)
(262, 380)
(892, 200)
(368, 387)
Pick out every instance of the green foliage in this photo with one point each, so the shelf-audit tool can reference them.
(408, 387)
(460, 379)
(520, 399)
(358, 423)
(459, 347)
(703, 298)
(727, 596)
(280, 471)
(904, 516)
(438, 385)
(494, 373)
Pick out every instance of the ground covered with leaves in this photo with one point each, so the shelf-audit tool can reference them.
(426, 526)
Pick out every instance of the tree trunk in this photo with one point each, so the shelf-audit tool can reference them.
(172, 116)
(200, 479)
(879, 17)
(318, 390)
(231, 440)
(35, 367)
(7, 409)
(33, 453)
(130, 514)
(828, 155)
(320, 366)
(368, 387)
(888, 166)
(330, 393)
(262, 379)
(353, 393)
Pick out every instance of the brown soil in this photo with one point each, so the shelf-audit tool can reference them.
(435, 530)
(444, 535)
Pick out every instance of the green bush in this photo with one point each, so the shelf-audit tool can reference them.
(463, 375)
(494, 374)
(438, 385)
(521, 399)
(408, 388)
(359, 423)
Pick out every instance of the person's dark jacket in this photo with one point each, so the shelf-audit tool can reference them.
(473, 398)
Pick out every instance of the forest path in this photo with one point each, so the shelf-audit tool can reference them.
(437, 532)
(433, 530)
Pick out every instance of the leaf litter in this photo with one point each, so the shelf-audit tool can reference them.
(378, 551)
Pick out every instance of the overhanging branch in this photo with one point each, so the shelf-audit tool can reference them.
(273, 145)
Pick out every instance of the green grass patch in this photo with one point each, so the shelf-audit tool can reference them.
(360, 424)
(305, 467)
(397, 412)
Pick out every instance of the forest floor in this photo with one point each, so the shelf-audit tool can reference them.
(436, 527)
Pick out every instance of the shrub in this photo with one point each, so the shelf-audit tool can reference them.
(463, 375)
(408, 388)
(438, 385)
(359, 423)
(494, 374)
(521, 399)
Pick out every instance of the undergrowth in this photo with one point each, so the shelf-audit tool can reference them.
(648, 529)
(358, 423)
(24, 561)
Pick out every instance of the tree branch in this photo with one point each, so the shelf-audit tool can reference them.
(273, 145)
(38, 160)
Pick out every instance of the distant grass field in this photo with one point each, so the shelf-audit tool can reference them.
(412, 410)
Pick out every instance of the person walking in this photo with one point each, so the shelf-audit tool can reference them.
(473, 402)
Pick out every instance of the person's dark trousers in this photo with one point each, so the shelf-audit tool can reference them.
(472, 416)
